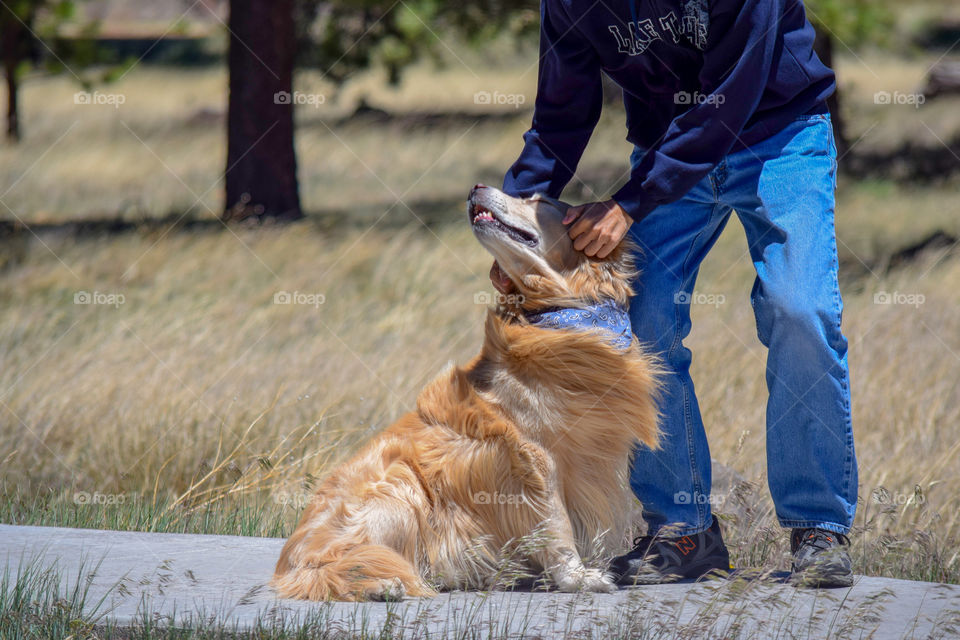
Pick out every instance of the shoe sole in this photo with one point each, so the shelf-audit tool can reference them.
(657, 578)
(648, 580)
(822, 578)
(838, 582)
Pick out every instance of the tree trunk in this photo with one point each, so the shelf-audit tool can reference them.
(261, 174)
(11, 37)
(823, 47)
(13, 103)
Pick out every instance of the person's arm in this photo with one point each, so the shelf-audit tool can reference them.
(568, 105)
(737, 61)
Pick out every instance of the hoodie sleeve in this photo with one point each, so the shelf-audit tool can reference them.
(737, 61)
(568, 106)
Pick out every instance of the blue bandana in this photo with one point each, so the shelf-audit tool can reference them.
(606, 316)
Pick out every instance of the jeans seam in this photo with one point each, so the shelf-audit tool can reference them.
(845, 373)
(687, 415)
(718, 177)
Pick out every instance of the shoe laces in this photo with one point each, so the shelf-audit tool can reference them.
(820, 539)
(648, 540)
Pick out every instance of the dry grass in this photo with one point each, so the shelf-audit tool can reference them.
(198, 392)
(118, 392)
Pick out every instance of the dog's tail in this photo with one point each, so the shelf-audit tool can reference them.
(360, 572)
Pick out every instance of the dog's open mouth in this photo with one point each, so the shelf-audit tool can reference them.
(480, 215)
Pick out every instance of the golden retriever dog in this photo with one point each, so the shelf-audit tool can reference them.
(531, 438)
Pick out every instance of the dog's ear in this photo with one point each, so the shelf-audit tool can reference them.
(609, 278)
(560, 205)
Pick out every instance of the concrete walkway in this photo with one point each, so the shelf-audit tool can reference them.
(180, 578)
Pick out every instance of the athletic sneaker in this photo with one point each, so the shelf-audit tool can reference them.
(820, 558)
(657, 559)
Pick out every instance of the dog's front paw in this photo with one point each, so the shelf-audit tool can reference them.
(390, 589)
(583, 579)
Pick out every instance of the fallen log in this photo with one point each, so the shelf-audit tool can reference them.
(943, 79)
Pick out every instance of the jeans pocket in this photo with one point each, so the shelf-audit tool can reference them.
(810, 121)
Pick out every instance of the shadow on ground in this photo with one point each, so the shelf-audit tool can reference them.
(427, 216)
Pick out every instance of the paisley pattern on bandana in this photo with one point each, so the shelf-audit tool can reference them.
(607, 317)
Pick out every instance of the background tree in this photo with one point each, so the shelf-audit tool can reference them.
(30, 35)
(17, 45)
(261, 175)
(342, 38)
(846, 24)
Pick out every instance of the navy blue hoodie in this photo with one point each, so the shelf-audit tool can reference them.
(701, 78)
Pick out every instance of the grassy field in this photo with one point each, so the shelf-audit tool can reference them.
(184, 398)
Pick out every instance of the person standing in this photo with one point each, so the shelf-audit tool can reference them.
(725, 105)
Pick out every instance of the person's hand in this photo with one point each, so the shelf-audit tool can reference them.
(501, 281)
(599, 227)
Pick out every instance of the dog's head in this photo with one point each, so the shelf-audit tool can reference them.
(530, 242)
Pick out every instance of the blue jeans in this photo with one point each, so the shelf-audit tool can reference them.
(782, 189)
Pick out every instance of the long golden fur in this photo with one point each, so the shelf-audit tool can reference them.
(533, 435)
